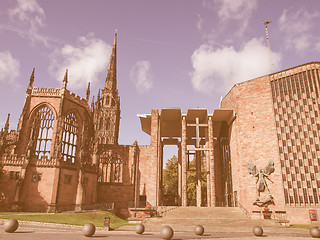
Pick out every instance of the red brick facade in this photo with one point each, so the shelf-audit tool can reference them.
(277, 119)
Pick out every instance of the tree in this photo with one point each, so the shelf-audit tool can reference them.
(191, 184)
(170, 182)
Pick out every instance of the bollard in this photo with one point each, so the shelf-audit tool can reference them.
(257, 231)
(166, 233)
(11, 225)
(315, 232)
(88, 229)
(140, 228)
(199, 230)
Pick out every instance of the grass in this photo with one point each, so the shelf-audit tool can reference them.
(94, 217)
(299, 226)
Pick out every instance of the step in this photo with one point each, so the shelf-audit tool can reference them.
(212, 219)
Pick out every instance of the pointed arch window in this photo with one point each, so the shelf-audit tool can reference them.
(69, 138)
(118, 165)
(43, 122)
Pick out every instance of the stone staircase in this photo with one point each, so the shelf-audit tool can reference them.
(212, 219)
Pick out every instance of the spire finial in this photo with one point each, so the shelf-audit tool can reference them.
(31, 79)
(6, 126)
(65, 80)
(115, 37)
(98, 95)
(88, 92)
(92, 104)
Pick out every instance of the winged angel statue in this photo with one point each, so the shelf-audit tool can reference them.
(261, 175)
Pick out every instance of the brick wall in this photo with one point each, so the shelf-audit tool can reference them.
(253, 137)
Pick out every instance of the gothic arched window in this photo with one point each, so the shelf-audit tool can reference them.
(118, 165)
(43, 123)
(69, 137)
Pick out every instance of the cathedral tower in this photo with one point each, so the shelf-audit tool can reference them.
(107, 107)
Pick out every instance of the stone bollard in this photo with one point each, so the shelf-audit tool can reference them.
(257, 231)
(315, 232)
(166, 233)
(88, 229)
(11, 225)
(199, 230)
(140, 228)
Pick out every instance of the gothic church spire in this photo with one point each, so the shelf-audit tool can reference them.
(111, 79)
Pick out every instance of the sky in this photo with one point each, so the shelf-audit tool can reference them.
(170, 53)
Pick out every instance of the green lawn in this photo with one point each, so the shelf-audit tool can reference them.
(95, 217)
(299, 226)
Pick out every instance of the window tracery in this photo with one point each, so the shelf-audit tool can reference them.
(110, 167)
(43, 121)
(69, 137)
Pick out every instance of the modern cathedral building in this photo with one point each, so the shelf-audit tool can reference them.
(260, 149)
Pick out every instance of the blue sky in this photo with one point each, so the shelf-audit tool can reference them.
(181, 53)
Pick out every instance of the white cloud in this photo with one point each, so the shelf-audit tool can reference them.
(235, 9)
(29, 15)
(217, 70)
(199, 22)
(141, 76)
(297, 27)
(238, 10)
(9, 68)
(84, 62)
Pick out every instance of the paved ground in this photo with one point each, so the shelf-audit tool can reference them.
(54, 232)
(219, 223)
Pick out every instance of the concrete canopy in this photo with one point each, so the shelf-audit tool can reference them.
(171, 120)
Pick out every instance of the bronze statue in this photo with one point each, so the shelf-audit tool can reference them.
(261, 175)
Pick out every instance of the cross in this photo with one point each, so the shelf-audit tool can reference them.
(197, 125)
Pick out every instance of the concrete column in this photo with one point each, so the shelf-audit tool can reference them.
(211, 160)
(184, 161)
(198, 165)
(208, 176)
(198, 178)
(160, 164)
(179, 176)
(153, 190)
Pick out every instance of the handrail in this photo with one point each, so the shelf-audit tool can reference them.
(244, 209)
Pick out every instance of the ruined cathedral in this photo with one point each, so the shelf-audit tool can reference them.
(259, 149)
